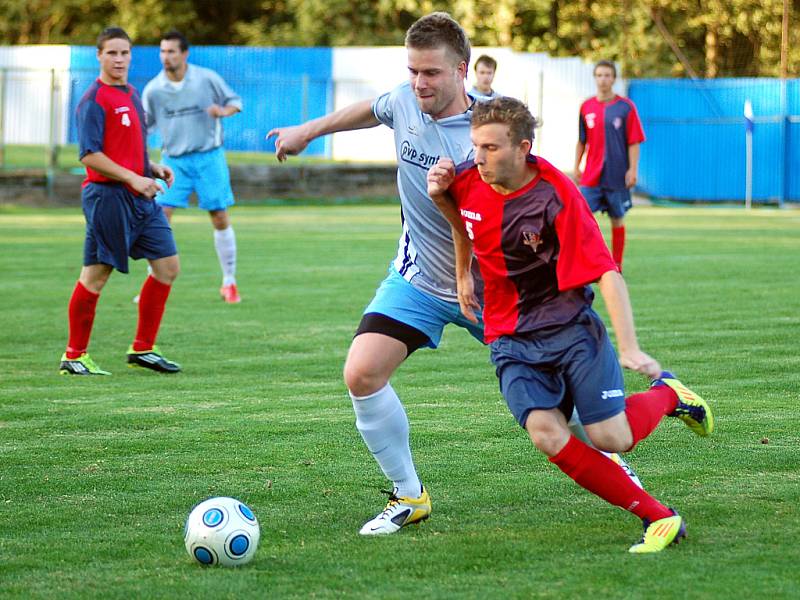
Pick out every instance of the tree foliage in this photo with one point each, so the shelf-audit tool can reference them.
(714, 38)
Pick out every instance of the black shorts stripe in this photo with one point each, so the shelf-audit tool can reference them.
(377, 323)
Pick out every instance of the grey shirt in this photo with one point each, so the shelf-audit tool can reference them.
(425, 253)
(480, 96)
(180, 113)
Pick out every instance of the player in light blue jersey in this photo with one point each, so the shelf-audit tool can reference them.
(485, 68)
(187, 103)
(430, 115)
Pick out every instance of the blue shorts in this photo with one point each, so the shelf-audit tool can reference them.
(398, 299)
(614, 202)
(572, 365)
(205, 173)
(120, 224)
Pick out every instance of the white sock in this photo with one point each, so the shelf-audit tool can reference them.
(382, 422)
(576, 427)
(225, 243)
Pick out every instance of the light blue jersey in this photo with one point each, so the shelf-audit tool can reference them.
(179, 111)
(425, 254)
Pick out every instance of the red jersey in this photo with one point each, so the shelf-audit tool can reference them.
(608, 128)
(110, 119)
(537, 249)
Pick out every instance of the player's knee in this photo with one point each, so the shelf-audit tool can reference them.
(360, 380)
(167, 270)
(616, 440)
(547, 437)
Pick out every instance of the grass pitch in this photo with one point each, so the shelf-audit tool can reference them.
(98, 474)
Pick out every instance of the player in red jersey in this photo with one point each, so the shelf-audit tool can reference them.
(122, 220)
(609, 126)
(538, 249)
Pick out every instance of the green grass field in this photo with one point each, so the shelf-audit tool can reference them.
(17, 156)
(97, 475)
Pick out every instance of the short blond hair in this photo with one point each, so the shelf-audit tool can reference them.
(506, 111)
(436, 30)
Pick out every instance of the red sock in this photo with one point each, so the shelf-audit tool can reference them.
(645, 410)
(152, 300)
(82, 306)
(618, 244)
(603, 477)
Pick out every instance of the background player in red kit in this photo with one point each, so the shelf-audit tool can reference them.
(538, 249)
(609, 125)
(122, 219)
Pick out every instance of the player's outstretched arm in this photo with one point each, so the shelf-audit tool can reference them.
(100, 162)
(290, 141)
(615, 294)
(440, 176)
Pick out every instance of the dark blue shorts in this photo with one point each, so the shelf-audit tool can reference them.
(614, 202)
(120, 224)
(572, 365)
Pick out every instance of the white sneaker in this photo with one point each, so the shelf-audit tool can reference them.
(136, 299)
(399, 512)
(625, 467)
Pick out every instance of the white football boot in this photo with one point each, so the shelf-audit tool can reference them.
(399, 512)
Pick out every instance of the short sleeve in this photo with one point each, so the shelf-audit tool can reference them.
(633, 127)
(223, 94)
(383, 108)
(458, 189)
(147, 105)
(583, 254)
(91, 121)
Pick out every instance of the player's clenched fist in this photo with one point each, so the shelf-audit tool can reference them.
(440, 176)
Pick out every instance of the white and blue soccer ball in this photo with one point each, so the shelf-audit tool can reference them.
(221, 531)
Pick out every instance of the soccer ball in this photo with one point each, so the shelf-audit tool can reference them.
(221, 531)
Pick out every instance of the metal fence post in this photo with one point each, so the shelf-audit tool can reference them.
(3, 78)
(304, 82)
(784, 154)
(52, 138)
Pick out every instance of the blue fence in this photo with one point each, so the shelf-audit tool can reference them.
(695, 147)
(278, 86)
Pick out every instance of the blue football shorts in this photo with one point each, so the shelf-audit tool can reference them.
(205, 173)
(398, 299)
(613, 202)
(572, 365)
(120, 224)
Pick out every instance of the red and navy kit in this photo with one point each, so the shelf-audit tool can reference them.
(120, 223)
(537, 248)
(608, 128)
(110, 120)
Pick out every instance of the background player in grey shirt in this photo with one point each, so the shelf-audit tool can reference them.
(186, 103)
(485, 68)
(430, 116)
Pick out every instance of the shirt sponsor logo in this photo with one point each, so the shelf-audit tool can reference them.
(468, 214)
(171, 113)
(611, 394)
(121, 109)
(532, 240)
(590, 117)
(410, 155)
